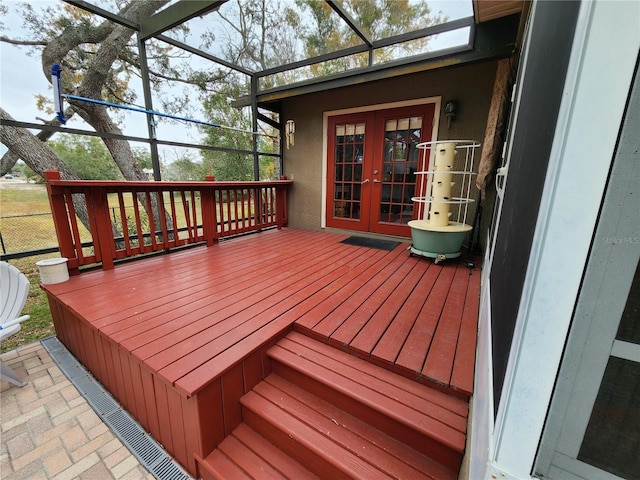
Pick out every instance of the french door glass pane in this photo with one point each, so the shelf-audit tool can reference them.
(400, 162)
(349, 150)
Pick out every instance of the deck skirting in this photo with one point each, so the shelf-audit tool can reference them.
(185, 425)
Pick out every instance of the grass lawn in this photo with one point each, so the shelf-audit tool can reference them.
(17, 200)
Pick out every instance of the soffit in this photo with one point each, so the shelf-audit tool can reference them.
(485, 10)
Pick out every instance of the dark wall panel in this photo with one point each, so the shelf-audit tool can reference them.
(542, 85)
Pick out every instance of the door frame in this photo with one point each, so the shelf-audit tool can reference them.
(367, 109)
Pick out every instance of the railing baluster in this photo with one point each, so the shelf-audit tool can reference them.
(125, 224)
(197, 208)
(174, 219)
(245, 216)
(257, 207)
(136, 214)
(270, 218)
(240, 210)
(187, 216)
(162, 218)
(73, 222)
(228, 218)
(152, 222)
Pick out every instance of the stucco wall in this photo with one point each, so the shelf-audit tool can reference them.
(470, 85)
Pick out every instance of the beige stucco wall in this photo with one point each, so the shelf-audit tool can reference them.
(470, 85)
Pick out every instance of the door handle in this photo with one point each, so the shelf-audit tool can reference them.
(375, 180)
(366, 180)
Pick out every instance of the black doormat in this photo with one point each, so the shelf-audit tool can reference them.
(387, 245)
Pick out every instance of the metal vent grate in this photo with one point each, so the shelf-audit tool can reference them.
(148, 452)
(168, 469)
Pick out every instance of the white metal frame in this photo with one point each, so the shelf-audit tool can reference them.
(603, 295)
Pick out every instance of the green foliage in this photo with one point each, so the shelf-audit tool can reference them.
(227, 165)
(143, 157)
(86, 156)
(327, 32)
(184, 168)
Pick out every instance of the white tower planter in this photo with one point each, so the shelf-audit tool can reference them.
(442, 227)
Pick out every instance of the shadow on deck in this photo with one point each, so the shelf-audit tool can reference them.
(179, 339)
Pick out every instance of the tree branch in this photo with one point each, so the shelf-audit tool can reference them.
(23, 43)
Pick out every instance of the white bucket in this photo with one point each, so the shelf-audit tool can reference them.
(53, 270)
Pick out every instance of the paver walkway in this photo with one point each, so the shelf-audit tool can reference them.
(50, 432)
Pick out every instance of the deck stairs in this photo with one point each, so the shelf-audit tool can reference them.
(324, 413)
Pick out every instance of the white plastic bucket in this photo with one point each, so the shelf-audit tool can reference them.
(53, 270)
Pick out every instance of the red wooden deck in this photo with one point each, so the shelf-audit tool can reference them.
(179, 338)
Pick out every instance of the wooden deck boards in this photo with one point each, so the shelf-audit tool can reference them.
(190, 315)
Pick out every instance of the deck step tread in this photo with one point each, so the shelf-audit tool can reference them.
(310, 447)
(287, 427)
(219, 466)
(330, 442)
(373, 385)
(387, 453)
(268, 451)
(302, 344)
(411, 412)
(255, 457)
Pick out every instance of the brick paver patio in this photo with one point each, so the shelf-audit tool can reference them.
(50, 432)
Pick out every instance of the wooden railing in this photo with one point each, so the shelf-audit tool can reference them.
(105, 221)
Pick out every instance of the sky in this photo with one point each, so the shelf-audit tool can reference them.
(21, 79)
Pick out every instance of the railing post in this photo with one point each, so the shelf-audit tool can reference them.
(209, 216)
(281, 205)
(103, 240)
(61, 220)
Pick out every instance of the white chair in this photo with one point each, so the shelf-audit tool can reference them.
(14, 288)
